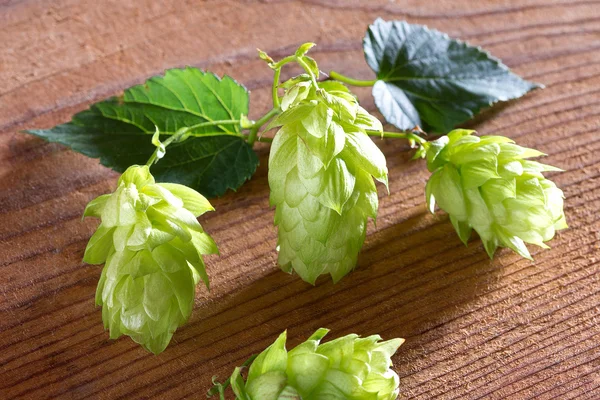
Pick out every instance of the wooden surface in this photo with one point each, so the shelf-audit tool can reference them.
(475, 328)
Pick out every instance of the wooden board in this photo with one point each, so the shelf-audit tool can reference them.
(475, 328)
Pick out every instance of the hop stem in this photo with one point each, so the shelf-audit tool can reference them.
(350, 81)
(252, 137)
(408, 135)
(414, 140)
(277, 68)
(276, 102)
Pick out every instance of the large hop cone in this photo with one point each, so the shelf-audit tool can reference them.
(348, 368)
(321, 171)
(152, 247)
(488, 184)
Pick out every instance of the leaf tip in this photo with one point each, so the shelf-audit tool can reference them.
(264, 56)
(304, 48)
(536, 85)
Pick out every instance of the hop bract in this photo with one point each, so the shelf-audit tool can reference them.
(321, 171)
(152, 247)
(346, 368)
(488, 184)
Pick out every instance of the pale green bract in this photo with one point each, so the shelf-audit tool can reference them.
(321, 169)
(488, 184)
(347, 368)
(152, 247)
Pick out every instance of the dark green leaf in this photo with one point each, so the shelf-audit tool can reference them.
(119, 130)
(426, 78)
(211, 165)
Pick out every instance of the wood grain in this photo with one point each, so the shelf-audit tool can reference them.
(475, 328)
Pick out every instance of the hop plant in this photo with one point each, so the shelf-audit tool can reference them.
(349, 367)
(488, 184)
(321, 169)
(152, 247)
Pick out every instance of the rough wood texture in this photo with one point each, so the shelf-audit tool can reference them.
(475, 328)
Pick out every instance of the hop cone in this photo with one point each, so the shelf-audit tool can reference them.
(152, 247)
(321, 171)
(488, 184)
(346, 368)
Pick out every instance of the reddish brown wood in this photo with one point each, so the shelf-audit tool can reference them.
(475, 328)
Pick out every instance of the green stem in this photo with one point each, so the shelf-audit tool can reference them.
(284, 61)
(252, 135)
(350, 81)
(220, 387)
(258, 124)
(277, 68)
(265, 118)
(276, 102)
(408, 135)
(220, 124)
(214, 123)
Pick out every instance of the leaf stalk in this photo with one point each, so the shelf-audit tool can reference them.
(351, 81)
(411, 136)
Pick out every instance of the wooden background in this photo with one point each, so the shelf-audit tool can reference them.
(475, 328)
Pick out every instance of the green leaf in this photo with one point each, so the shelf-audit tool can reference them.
(338, 187)
(237, 385)
(426, 78)
(273, 358)
(192, 200)
(119, 131)
(302, 50)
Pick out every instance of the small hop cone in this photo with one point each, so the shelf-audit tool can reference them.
(321, 169)
(488, 184)
(349, 367)
(152, 247)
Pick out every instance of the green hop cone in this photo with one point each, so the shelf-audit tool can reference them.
(488, 184)
(321, 169)
(152, 247)
(349, 367)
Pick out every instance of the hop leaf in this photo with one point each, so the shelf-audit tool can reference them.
(349, 367)
(321, 169)
(488, 184)
(152, 247)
